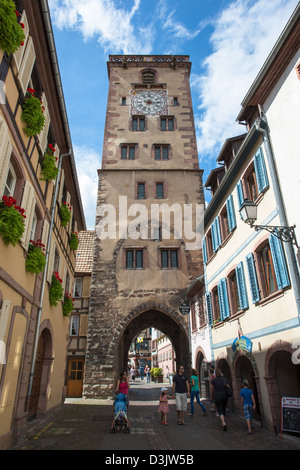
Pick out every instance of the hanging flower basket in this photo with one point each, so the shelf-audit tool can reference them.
(68, 304)
(48, 165)
(74, 241)
(65, 213)
(11, 221)
(56, 289)
(32, 114)
(11, 32)
(36, 260)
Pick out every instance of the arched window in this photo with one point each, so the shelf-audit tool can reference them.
(148, 77)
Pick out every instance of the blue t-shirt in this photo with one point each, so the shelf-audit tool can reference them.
(246, 394)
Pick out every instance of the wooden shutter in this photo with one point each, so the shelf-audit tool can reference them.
(28, 203)
(204, 250)
(240, 193)
(216, 234)
(230, 213)
(252, 278)
(56, 155)
(44, 132)
(260, 171)
(5, 154)
(279, 263)
(26, 65)
(223, 299)
(45, 233)
(51, 260)
(61, 187)
(83, 325)
(18, 55)
(209, 308)
(240, 276)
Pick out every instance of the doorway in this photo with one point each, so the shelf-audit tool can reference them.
(75, 378)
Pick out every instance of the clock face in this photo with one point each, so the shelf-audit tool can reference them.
(149, 102)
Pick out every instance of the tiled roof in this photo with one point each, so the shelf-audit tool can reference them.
(84, 253)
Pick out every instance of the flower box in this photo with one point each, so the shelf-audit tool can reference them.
(36, 260)
(55, 290)
(11, 32)
(68, 304)
(74, 241)
(11, 221)
(48, 165)
(65, 213)
(32, 114)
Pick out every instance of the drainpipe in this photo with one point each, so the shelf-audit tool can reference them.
(261, 125)
(36, 339)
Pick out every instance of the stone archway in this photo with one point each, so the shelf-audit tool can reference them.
(159, 316)
(282, 377)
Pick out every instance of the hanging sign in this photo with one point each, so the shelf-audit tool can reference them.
(290, 414)
(242, 343)
(184, 308)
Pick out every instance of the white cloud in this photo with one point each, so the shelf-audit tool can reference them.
(88, 161)
(244, 34)
(102, 19)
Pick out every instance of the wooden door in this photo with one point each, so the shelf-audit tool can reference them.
(75, 378)
(36, 384)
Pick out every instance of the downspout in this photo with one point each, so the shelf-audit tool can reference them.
(39, 314)
(261, 125)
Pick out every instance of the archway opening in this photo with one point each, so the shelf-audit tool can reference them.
(244, 370)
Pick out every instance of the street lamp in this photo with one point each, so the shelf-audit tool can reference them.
(248, 213)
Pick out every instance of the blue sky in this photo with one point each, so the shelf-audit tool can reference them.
(227, 41)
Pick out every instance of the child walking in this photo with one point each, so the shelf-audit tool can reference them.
(164, 405)
(247, 403)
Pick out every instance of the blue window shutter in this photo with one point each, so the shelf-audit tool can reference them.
(252, 278)
(209, 308)
(230, 213)
(204, 251)
(218, 231)
(213, 237)
(240, 276)
(279, 263)
(260, 171)
(223, 299)
(240, 193)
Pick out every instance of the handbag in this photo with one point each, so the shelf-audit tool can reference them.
(228, 390)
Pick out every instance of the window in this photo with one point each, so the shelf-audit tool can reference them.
(175, 101)
(74, 325)
(233, 288)
(224, 223)
(255, 181)
(252, 186)
(267, 269)
(78, 287)
(134, 259)
(167, 123)
(10, 182)
(161, 152)
(127, 152)
(148, 77)
(160, 190)
(169, 258)
(141, 191)
(215, 305)
(123, 101)
(138, 123)
(193, 317)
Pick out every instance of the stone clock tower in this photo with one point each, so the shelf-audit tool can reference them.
(148, 222)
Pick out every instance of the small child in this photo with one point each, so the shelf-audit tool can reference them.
(248, 404)
(164, 405)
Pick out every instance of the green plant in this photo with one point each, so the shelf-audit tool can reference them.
(11, 221)
(68, 304)
(48, 165)
(56, 289)
(32, 114)
(11, 33)
(74, 241)
(65, 213)
(36, 260)
(158, 372)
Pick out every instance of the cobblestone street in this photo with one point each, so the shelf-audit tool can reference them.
(85, 425)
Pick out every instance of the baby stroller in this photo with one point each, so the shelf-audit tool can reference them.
(120, 409)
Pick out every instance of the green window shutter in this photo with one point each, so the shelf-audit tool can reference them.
(240, 276)
(240, 194)
(204, 250)
(223, 299)
(260, 171)
(279, 262)
(252, 278)
(209, 308)
(230, 213)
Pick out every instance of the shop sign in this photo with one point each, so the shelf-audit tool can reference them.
(243, 343)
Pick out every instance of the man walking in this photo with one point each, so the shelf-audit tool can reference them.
(181, 390)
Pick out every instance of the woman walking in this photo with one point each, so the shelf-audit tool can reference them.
(195, 393)
(219, 385)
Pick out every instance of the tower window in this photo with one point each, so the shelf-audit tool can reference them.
(160, 190)
(134, 259)
(127, 152)
(141, 191)
(169, 258)
(148, 77)
(138, 123)
(161, 152)
(167, 123)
